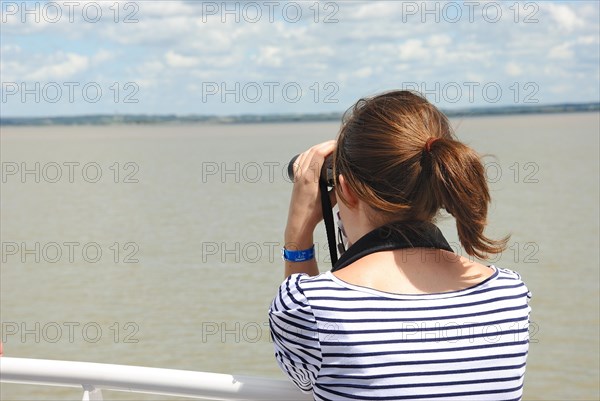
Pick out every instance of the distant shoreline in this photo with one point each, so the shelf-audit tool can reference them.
(107, 119)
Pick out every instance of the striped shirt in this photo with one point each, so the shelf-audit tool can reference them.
(347, 342)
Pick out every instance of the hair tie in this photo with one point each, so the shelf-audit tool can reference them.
(430, 142)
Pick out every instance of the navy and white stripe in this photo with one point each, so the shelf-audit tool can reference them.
(346, 342)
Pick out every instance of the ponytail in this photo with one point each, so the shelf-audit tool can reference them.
(459, 185)
(399, 155)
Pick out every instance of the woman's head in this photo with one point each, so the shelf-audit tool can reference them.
(397, 154)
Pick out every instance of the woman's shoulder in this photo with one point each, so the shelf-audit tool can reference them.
(507, 274)
(292, 291)
(299, 288)
(511, 276)
(300, 283)
(303, 287)
(303, 281)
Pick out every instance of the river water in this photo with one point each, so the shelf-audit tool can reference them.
(159, 245)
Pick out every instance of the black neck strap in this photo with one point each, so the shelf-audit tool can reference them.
(328, 219)
(394, 236)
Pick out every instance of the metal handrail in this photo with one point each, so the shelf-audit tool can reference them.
(95, 377)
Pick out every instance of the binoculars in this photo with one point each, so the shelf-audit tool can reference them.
(330, 213)
(326, 175)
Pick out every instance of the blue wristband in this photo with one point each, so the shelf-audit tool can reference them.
(298, 256)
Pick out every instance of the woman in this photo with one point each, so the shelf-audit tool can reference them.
(408, 323)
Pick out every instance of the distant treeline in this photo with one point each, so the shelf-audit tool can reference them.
(102, 119)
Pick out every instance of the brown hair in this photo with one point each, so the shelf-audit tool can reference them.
(381, 152)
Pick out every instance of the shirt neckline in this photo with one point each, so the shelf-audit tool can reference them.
(436, 295)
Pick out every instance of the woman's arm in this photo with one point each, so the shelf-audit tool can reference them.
(295, 334)
(305, 206)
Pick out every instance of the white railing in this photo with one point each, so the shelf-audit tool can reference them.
(92, 378)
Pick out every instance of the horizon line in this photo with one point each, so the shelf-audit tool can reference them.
(289, 116)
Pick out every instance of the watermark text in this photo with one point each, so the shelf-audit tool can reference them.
(54, 12)
(54, 332)
(69, 171)
(68, 251)
(70, 91)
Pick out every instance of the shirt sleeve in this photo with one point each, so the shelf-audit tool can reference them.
(294, 333)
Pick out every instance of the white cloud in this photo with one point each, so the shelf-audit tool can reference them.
(555, 72)
(150, 67)
(269, 56)
(176, 60)
(513, 69)
(6, 49)
(101, 56)
(560, 88)
(67, 66)
(158, 9)
(564, 16)
(212, 40)
(376, 10)
(561, 52)
(412, 49)
(474, 77)
(439, 40)
(148, 73)
(588, 40)
(364, 72)
(313, 51)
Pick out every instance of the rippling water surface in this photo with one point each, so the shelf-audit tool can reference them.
(159, 245)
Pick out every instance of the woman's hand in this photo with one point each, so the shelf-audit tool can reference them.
(305, 205)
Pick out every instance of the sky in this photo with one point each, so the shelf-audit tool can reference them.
(262, 57)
